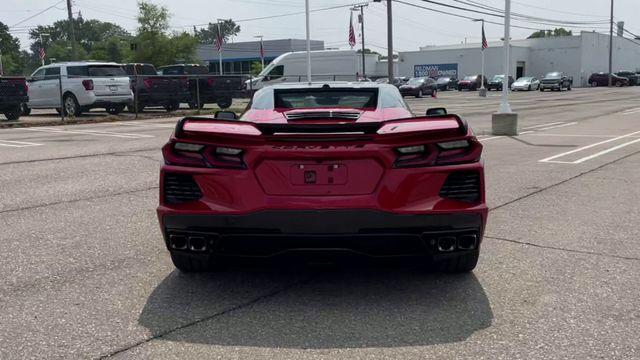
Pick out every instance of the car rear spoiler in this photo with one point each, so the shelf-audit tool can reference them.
(237, 128)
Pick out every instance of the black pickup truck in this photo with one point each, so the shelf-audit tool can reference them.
(13, 94)
(556, 81)
(208, 88)
(151, 89)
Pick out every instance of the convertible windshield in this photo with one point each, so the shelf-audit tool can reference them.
(326, 98)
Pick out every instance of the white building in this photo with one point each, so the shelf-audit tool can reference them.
(578, 56)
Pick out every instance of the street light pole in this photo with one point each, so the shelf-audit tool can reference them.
(482, 91)
(355, 8)
(42, 46)
(306, 10)
(504, 105)
(611, 46)
(390, 42)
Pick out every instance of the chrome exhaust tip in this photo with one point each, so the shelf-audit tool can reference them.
(197, 243)
(178, 242)
(446, 243)
(467, 242)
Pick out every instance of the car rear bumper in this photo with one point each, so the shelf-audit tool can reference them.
(364, 232)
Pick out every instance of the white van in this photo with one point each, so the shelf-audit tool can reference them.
(326, 65)
(80, 86)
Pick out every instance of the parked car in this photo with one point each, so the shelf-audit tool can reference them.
(208, 88)
(85, 86)
(372, 180)
(634, 78)
(13, 94)
(419, 87)
(496, 82)
(526, 83)
(447, 83)
(397, 81)
(472, 82)
(602, 79)
(556, 81)
(151, 89)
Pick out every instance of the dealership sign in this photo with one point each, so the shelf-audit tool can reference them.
(435, 70)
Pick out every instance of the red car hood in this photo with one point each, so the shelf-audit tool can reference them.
(279, 116)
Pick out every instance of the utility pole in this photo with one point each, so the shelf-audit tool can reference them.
(611, 46)
(361, 19)
(72, 32)
(390, 42)
(306, 8)
(219, 37)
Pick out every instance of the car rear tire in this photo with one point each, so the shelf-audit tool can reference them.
(191, 264)
(618, 84)
(224, 102)
(462, 263)
(13, 114)
(569, 87)
(71, 106)
(594, 84)
(419, 94)
(26, 110)
(115, 109)
(171, 107)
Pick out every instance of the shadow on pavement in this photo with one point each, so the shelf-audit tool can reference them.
(334, 308)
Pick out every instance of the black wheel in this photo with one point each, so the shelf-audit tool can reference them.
(529, 88)
(26, 110)
(191, 264)
(462, 263)
(618, 84)
(224, 102)
(419, 94)
(193, 105)
(569, 87)
(115, 109)
(13, 114)
(71, 106)
(541, 90)
(594, 84)
(172, 106)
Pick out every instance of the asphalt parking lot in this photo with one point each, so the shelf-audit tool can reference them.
(84, 271)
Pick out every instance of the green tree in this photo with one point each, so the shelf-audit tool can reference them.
(550, 33)
(12, 61)
(153, 43)
(256, 68)
(228, 28)
(367, 51)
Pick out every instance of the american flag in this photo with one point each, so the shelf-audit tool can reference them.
(484, 39)
(219, 41)
(352, 34)
(42, 53)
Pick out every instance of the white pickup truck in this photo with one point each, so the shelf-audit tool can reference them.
(75, 87)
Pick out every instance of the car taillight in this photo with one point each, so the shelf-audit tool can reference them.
(198, 155)
(148, 83)
(210, 81)
(443, 153)
(88, 84)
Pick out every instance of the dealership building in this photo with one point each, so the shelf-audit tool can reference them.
(578, 56)
(237, 57)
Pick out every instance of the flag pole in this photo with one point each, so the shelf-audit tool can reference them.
(306, 10)
(483, 49)
(219, 47)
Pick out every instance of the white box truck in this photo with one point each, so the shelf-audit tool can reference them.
(326, 65)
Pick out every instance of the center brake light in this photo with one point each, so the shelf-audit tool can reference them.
(199, 155)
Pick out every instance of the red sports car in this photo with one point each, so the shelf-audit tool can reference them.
(323, 169)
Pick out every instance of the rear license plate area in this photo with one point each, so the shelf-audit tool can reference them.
(318, 174)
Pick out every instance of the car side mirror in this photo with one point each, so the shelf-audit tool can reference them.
(226, 115)
(440, 111)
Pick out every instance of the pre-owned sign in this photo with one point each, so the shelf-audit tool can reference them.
(435, 70)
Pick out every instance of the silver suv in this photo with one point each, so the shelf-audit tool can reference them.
(75, 87)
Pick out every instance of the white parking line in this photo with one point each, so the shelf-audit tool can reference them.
(543, 125)
(13, 143)
(551, 158)
(90, 132)
(131, 123)
(631, 111)
(557, 126)
(606, 151)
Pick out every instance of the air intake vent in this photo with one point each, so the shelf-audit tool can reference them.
(305, 115)
(180, 188)
(462, 186)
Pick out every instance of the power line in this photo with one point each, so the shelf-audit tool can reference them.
(36, 14)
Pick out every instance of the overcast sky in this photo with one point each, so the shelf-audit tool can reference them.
(413, 27)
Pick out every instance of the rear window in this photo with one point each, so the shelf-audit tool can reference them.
(140, 70)
(96, 70)
(196, 70)
(471, 77)
(326, 98)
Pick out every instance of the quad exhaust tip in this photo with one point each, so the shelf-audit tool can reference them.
(197, 243)
(467, 242)
(446, 243)
(178, 242)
